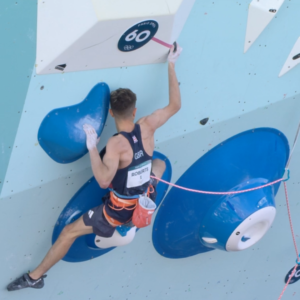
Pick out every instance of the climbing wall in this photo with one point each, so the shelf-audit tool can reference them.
(236, 91)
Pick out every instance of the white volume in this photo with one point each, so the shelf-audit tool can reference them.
(260, 14)
(293, 59)
(115, 240)
(251, 230)
(84, 34)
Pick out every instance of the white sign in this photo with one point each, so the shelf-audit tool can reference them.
(139, 175)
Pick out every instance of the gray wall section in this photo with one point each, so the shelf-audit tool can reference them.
(17, 55)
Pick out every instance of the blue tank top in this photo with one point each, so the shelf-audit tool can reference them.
(134, 179)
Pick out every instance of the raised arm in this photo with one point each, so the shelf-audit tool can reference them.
(161, 116)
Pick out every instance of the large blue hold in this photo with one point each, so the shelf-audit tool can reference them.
(249, 159)
(89, 196)
(61, 134)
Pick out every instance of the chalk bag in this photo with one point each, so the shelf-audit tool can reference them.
(143, 212)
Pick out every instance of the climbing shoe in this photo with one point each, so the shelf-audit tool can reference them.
(25, 281)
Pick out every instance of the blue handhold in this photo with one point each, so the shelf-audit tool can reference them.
(249, 159)
(61, 134)
(89, 196)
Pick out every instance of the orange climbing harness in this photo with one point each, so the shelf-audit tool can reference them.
(119, 204)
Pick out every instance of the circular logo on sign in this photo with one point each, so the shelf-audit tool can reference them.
(296, 276)
(137, 36)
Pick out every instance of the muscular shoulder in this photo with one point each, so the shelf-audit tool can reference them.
(117, 144)
(146, 125)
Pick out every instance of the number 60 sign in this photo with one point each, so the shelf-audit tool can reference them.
(139, 35)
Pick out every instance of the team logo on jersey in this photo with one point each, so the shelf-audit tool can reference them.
(139, 154)
(135, 140)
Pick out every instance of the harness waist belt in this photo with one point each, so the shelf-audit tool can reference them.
(113, 222)
(120, 204)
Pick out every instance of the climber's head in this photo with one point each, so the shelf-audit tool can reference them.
(122, 103)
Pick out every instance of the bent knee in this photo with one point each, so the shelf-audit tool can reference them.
(68, 232)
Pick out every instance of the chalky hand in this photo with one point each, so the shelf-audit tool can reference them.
(91, 136)
(173, 56)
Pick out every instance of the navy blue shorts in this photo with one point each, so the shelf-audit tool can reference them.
(95, 217)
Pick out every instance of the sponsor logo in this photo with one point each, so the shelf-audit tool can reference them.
(90, 213)
(135, 140)
(139, 154)
(37, 281)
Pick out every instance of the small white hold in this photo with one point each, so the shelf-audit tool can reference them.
(116, 240)
(260, 14)
(210, 240)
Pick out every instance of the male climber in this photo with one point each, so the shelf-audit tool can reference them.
(131, 149)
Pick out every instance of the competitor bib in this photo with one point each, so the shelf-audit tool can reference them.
(139, 175)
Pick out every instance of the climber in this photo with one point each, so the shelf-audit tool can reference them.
(124, 166)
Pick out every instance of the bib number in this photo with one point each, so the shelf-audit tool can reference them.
(139, 175)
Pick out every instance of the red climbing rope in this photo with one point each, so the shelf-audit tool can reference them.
(287, 283)
(219, 193)
(290, 219)
(245, 191)
(294, 240)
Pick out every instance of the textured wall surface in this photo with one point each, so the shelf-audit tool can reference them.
(17, 48)
(236, 91)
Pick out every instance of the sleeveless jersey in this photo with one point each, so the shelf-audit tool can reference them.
(133, 179)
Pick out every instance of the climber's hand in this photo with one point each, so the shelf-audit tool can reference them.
(173, 56)
(91, 136)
